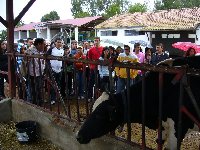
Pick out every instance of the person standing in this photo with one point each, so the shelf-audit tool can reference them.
(29, 43)
(159, 55)
(79, 71)
(56, 66)
(36, 70)
(103, 71)
(70, 67)
(148, 53)
(141, 57)
(85, 47)
(121, 72)
(93, 54)
(3, 67)
(138, 53)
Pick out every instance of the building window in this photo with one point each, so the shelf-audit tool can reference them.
(131, 33)
(164, 36)
(109, 33)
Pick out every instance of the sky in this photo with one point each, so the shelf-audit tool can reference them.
(42, 7)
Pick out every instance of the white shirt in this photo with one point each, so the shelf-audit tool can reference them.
(56, 64)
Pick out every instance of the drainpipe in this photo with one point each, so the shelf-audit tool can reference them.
(76, 34)
(27, 34)
(70, 34)
(48, 33)
(20, 34)
(197, 37)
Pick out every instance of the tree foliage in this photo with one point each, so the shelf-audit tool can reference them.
(106, 8)
(53, 15)
(3, 35)
(176, 4)
(137, 8)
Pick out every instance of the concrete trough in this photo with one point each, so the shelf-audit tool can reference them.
(60, 132)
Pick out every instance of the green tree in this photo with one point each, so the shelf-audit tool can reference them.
(137, 8)
(114, 9)
(77, 10)
(53, 15)
(98, 7)
(3, 35)
(176, 4)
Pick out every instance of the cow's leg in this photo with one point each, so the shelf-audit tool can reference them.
(171, 139)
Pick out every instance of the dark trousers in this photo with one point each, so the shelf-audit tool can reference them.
(91, 83)
(35, 89)
(79, 78)
(2, 86)
(2, 77)
(104, 84)
(57, 77)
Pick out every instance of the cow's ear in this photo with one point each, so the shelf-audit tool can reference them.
(112, 113)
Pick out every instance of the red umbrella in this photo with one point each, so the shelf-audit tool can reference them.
(184, 46)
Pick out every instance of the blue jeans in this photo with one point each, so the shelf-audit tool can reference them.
(79, 78)
(121, 84)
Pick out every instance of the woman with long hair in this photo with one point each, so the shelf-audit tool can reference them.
(190, 52)
(103, 70)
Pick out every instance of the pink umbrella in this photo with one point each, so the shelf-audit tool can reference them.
(184, 46)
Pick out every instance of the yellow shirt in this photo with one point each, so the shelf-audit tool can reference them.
(121, 72)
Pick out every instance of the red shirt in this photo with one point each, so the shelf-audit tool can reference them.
(79, 65)
(94, 53)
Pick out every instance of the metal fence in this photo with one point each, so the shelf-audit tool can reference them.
(37, 89)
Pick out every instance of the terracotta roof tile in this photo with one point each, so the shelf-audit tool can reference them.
(173, 19)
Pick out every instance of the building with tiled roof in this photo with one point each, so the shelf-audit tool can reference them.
(49, 29)
(166, 26)
(174, 19)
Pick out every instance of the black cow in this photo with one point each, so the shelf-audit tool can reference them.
(109, 114)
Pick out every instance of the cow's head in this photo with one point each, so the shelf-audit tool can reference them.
(105, 118)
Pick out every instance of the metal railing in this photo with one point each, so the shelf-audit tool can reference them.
(74, 109)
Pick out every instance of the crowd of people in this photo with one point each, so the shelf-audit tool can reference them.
(92, 51)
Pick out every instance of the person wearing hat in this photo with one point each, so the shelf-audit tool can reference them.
(79, 71)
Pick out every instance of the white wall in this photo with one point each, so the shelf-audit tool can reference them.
(16, 36)
(197, 39)
(122, 38)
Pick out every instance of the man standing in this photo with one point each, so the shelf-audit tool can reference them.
(36, 69)
(121, 72)
(159, 55)
(93, 54)
(70, 67)
(56, 65)
(29, 43)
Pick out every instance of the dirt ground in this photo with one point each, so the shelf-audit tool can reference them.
(8, 140)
